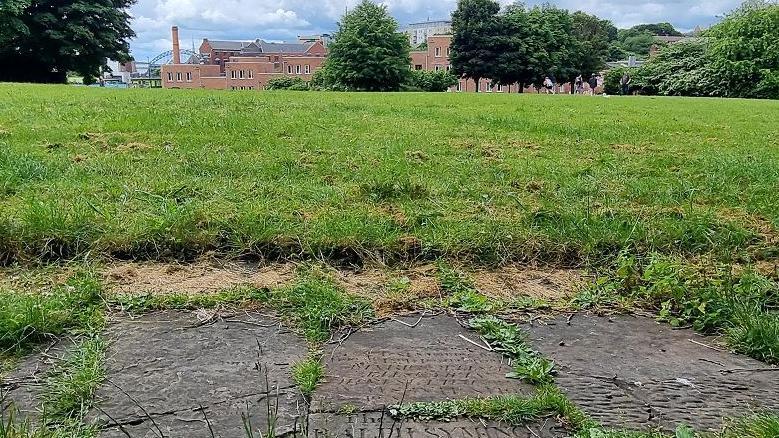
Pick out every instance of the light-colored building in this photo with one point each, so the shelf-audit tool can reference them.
(418, 33)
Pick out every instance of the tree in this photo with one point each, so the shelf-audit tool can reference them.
(559, 48)
(592, 35)
(659, 29)
(43, 40)
(745, 51)
(368, 53)
(474, 34)
(682, 69)
(517, 48)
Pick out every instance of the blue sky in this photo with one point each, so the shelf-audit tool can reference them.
(285, 19)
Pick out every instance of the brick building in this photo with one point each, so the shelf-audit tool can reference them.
(243, 65)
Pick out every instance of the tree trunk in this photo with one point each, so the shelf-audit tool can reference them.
(477, 83)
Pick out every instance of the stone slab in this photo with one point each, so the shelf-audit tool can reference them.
(22, 388)
(630, 371)
(169, 368)
(429, 362)
(374, 425)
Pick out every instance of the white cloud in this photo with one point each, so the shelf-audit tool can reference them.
(285, 19)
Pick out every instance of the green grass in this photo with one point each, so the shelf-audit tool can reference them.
(307, 373)
(490, 178)
(240, 296)
(30, 317)
(713, 299)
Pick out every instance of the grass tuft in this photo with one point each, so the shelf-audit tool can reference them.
(307, 373)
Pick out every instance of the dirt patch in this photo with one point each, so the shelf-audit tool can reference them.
(634, 372)
(511, 282)
(199, 277)
(418, 359)
(170, 372)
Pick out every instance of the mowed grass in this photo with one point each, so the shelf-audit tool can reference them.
(487, 178)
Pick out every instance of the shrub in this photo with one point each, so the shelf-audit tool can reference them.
(435, 81)
(287, 83)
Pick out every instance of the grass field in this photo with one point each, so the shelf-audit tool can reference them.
(487, 178)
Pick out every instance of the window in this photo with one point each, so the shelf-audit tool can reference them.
(170, 76)
(437, 67)
(251, 74)
(448, 51)
(459, 86)
(489, 87)
(448, 67)
(308, 69)
(418, 67)
(240, 74)
(289, 69)
(500, 88)
(297, 69)
(232, 74)
(437, 52)
(189, 76)
(178, 77)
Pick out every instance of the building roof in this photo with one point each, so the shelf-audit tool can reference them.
(267, 47)
(227, 45)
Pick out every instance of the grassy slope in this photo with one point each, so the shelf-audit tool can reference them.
(151, 172)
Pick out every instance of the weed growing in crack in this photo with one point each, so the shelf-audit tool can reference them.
(71, 384)
(307, 373)
(238, 296)
(511, 341)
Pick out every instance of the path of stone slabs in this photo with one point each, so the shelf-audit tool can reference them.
(171, 375)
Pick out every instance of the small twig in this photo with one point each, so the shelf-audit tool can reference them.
(156, 426)
(747, 370)
(707, 346)
(568, 322)
(118, 424)
(531, 431)
(476, 344)
(239, 321)
(712, 361)
(210, 429)
(407, 324)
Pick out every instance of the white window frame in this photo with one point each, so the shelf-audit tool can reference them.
(232, 74)
(297, 69)
(170, 76)
(437, 52)
(289, 68)
(500, 88)
(448, 51)
(438, 67)
(307, 69)
(189, 76)
(459, 86)
(251, 74)
(178, 76)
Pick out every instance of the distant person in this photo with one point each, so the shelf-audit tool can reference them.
(593, 83)
(579, 85)
(625, 84)
(548, 85)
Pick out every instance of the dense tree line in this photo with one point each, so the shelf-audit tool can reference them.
(739, 57)
(43, 40)
(524, 45)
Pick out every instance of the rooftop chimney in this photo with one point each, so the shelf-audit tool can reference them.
(176, 54)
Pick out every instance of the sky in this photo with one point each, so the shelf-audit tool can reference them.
(279, 20)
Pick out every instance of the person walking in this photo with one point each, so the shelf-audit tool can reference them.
(625, 83)
(579, 85)
(593, 83)
(548, 85)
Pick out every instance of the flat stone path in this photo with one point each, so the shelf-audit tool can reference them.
(22, 388)
(168, 373)
(630, 371)
(425, 359)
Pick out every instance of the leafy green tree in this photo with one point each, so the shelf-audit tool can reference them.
(475, 28)
(659, 29)
(745, 51)
(43, 40)
(368, 53)
(592, 35)
(559, 54)
(287, 83)
(682, 69)
(518, 48)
